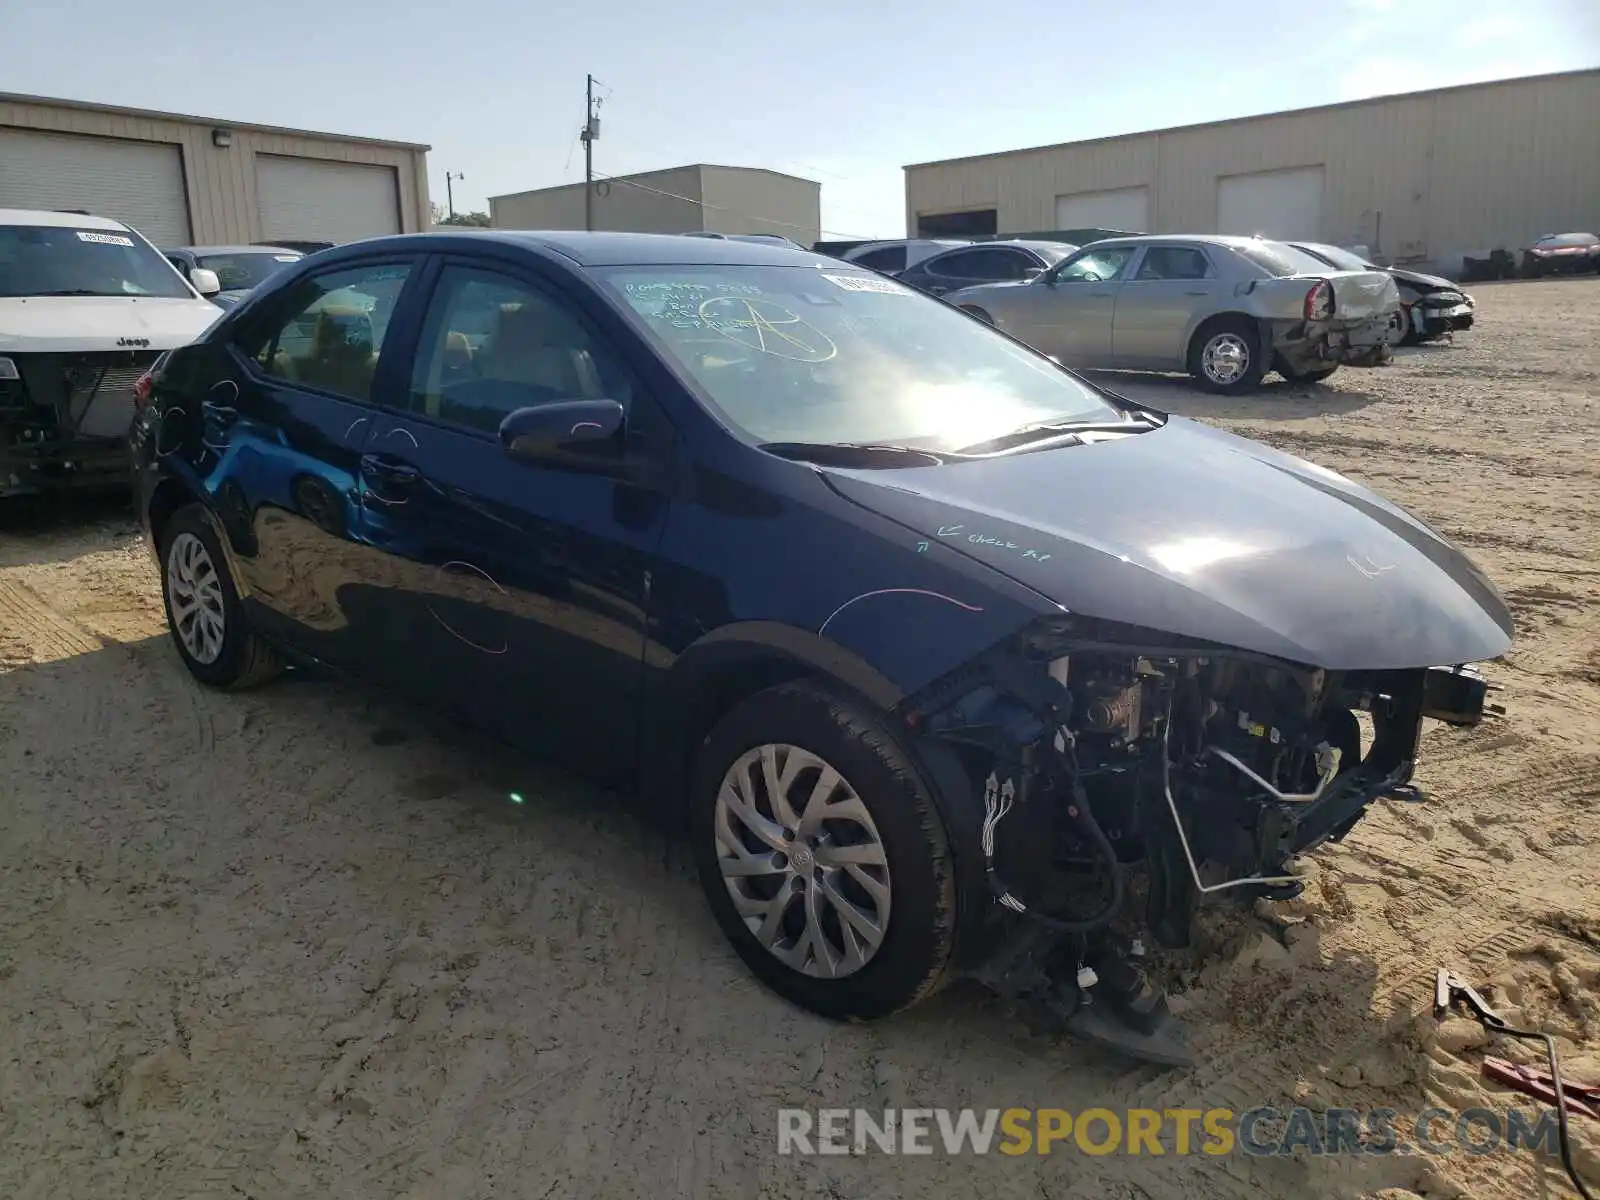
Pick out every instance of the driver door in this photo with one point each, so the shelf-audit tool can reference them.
(1069, 312)
(516, 593)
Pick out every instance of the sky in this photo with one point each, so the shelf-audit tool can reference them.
(842, 93)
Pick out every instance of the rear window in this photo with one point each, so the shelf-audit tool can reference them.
(53, 260)
(1280, 259)
(241, 271)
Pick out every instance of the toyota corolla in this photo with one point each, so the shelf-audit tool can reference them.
(942, 654)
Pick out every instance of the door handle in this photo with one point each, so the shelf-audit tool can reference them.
(389, 469)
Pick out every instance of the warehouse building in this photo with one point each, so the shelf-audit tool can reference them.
(1425, 177)
(698, 198)
(196, 181)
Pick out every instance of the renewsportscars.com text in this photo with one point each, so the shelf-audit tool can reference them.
(1258, 1132)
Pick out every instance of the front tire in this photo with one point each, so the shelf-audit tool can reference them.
(822, 854)
(1226, 358)
(204, 616)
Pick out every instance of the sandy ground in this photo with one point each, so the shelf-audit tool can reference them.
(299, 942)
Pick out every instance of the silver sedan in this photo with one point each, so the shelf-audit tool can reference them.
(1225, 309)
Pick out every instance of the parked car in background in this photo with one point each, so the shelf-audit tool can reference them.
(891, 257)
(836, 576)
(86, 305)
(237, 268)
(305, 247)
(1430, 305)
(1225, 309)
(1561, 254)
(984, 262)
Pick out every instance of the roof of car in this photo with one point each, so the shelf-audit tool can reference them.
(234, 250)
(618, 249)
(63, 220)
(1209, 239)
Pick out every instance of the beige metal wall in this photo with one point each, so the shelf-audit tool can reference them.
(1428, 176)
(750, 200)
(220, 183)
(717, 199)
(616, 205)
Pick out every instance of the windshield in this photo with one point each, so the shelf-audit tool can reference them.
(49, 260)
(1337, 256)
(243, 271)
(1283, 259)
(797, 354)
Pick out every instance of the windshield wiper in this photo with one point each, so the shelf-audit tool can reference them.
(78, 292)
(855, 454)
(1049, 431)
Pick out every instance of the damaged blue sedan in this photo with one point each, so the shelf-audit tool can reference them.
(942, 654)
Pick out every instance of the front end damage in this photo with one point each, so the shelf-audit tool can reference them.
(1113, 762)
(64, 418)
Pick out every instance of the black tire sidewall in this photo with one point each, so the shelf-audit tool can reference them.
(911, 961)
(229, 665)
(1251, 379)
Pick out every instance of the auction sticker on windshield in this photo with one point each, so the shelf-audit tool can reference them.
(867, 283)
(104, 239)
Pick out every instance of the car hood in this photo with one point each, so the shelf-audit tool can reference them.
(1417, 279)
(78, 323)
(1195, 532)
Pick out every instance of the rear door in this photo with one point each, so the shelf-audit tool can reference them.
(521, 591)
(1155, 308)
(284, 427)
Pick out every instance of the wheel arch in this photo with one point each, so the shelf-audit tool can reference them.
(721, 670)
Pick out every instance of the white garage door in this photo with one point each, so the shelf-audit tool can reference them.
(140, 183)
(314, 199)
(1126, 209)
(1276, 204)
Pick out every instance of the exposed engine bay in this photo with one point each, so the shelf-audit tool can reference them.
(1108, 759)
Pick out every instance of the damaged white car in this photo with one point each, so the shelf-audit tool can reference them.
(1225, 309)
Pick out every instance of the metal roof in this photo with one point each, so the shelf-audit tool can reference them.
(1288, 112)
(218, 122)
(642, 175)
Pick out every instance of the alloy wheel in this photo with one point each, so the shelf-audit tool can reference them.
(194, 597)
(802, 860)
(1225, 358)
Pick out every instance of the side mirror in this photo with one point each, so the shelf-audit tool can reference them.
(566, 433)
(205, 281)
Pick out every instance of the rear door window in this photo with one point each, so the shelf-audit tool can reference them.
(889, 258)
(329, 331)
(1173, 262)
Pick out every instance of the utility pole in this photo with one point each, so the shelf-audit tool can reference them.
(591, 131)
(449, 192)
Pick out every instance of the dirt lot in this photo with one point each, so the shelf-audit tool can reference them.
(297, 942)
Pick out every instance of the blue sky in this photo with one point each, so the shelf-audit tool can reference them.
(842, 93)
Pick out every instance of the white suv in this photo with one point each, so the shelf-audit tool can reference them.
(86, 305)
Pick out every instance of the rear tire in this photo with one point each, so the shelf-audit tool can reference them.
(1316, 376)
(780, 878)
(1225, 356)
(204, 616)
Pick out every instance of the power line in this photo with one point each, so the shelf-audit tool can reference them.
(644, 187)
